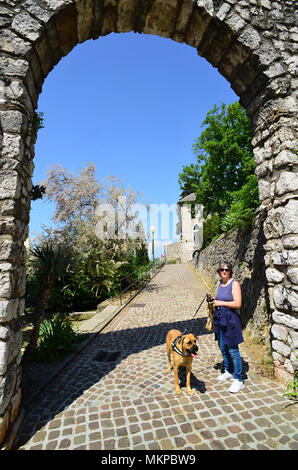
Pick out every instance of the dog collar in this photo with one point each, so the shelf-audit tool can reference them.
(175, 347)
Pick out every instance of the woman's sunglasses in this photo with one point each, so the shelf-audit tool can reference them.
(224, 269)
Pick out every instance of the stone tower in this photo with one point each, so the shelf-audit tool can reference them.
(191, 230)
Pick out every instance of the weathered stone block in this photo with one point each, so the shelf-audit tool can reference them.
(287, 183)
(3, 357)
(4, 332)
(67, 28)
(274, 276)
(289, 366)
(284, 158)
(14, 343)
(250, 38)
(10, 185)
(13, 66)
(294, 340)
(182, 20)
(290, 243)
(282, 221)
(126, 15)
(286, 298)
(223, 11)
(161, 24)
(55, 5)
(267, 53)
(10, 251)
(45, 54)
(293, 275)
(197, 28)
(294, 358)
(26, 26)
(207, 5)
(13, 146)
(264, 189)
(13, 121)
(15, 402)
(13, 44)
(8, 309)
(235, 22)
(277, 358)
(7, 385)
(15, 92)
(41, 13)
(279, 332)
(262, 169)
(281, 348)
(6, 281)
(85, 20)
(285, 319)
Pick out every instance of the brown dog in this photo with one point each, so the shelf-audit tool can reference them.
(184, 348)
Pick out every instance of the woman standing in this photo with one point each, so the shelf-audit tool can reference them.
(227, 326)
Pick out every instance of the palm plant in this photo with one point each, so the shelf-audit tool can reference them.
(103, 269)
(50, 262)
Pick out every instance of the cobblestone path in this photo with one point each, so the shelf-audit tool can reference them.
(130, 402)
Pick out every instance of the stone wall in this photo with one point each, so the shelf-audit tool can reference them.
(174, 251)
(252, 43)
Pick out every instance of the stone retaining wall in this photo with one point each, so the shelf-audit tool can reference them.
(174, 251)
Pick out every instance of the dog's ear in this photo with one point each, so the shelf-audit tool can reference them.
(183, 338)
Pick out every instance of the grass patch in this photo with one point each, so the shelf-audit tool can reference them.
(259, 354)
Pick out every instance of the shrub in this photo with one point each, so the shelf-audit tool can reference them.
(211, 230)
(243, 208)
(57, 338)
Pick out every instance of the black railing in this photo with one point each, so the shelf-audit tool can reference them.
(137, 279)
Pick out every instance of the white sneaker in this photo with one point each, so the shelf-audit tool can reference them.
(225, 376)
(236, 386)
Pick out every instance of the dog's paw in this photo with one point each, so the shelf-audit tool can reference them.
(190, 392)
(178, 391)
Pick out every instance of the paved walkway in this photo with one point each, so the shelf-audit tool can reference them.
(130, 403)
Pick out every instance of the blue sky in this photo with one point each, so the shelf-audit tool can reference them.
(133, 105)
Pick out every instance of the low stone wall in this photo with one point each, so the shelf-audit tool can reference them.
(244, 250)
(174, 251)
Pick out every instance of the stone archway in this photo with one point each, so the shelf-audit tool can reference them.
(251, 43)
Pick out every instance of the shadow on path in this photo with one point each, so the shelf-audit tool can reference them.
(86, 371)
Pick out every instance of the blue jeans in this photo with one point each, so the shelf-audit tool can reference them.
(231, 355)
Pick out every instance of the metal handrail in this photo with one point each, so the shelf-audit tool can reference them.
(136, 281)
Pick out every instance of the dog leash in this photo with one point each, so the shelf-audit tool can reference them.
(206, 296)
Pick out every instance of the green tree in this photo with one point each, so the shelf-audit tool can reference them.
(243, 207)
(224, 159)
(211, 229)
